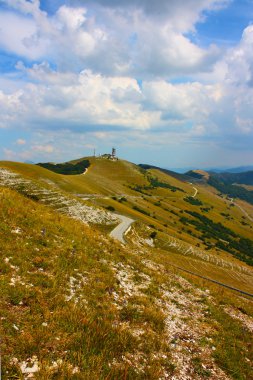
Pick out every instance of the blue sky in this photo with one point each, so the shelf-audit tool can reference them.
(168, 83)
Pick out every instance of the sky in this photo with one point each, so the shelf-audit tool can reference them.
(168, 82)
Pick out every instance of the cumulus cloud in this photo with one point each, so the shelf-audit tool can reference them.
(100, 68)
(239, 60)
(27, 7)
(63, 36)
(11, 108)
(87, 103)
(110, 41)
(181, 14)
(92, 101)
(18, 35)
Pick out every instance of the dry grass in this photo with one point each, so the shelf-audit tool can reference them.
(76, 304)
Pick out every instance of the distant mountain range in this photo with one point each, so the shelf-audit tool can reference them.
(228, 183)
(228, 178)
(225, 182)
(243, 178)
(239, 169)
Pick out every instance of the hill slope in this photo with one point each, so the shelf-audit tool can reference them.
(175, 207)
(77, 304)
(228, 183)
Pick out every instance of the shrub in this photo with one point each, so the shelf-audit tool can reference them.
(110, 208)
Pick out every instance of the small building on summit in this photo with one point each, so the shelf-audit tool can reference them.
(110, 156)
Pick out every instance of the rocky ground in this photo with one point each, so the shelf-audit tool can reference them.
(72, 207)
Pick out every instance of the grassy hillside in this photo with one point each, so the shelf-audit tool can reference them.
(103, 176)
(75, 304)
(233, 191)
(234, 185)
(173, 206)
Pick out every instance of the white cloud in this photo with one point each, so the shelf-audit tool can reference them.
(96, 54)
(35, 150)
(239, 60)
(111, 42)
(43, 148)
(190, 102)
(11, 108)
(20, 142)
(26, 7)
(72, 18)
(19, 35)
(89, 102)
(181, 14)
(92, 101)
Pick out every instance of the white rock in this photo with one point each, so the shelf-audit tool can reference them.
(16, 231)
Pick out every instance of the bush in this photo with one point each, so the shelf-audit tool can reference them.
(67, 168)
(110, 208)
(193, 201)
(141, 210)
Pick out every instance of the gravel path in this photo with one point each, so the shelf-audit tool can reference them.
(118, 232)
(196, 192)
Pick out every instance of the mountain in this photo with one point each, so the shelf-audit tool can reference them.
(76, 303)
(245, 178)
(179, 176)
(199, 175)
(239, 169)
(234, 185)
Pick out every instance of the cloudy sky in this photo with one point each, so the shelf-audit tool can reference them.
(166, 82)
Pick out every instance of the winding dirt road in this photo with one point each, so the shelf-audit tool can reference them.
(196, 192)
(119, 231)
